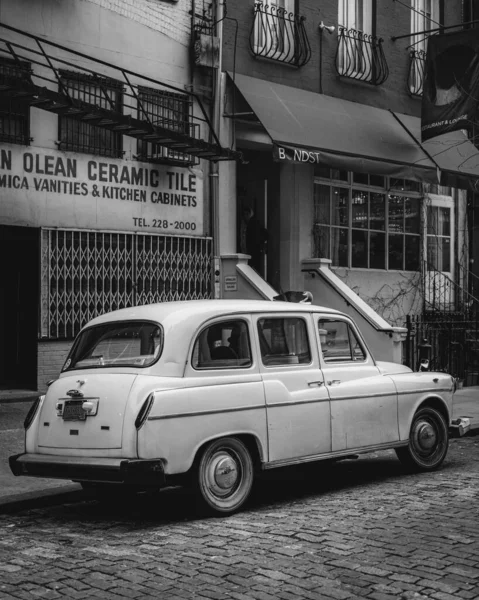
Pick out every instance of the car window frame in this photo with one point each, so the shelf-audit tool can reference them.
(66, 369)
(211, 323)
(306, 318)
(351, 327)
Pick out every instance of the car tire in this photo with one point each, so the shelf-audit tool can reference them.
(428, 441)
(223, 477)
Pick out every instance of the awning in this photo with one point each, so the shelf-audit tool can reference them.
(309, 127)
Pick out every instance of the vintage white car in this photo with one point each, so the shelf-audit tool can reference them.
(208, 393)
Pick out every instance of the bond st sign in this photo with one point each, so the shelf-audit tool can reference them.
(47, 188)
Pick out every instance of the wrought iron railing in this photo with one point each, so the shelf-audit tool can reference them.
(360, 56)
(415, 80)
(453, 341)
(443, 295)
(469, 280)
(280, 35)
(42, 86)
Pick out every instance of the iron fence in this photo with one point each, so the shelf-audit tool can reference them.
(454, 345)
(360, 56)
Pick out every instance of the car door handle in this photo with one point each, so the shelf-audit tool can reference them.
(315, 383)
(334, 382)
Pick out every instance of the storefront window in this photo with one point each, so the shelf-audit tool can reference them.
(359, 225)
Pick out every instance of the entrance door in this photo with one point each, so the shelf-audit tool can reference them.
(19, 302)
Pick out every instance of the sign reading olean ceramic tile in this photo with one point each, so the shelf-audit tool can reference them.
(231, 283)
(48, 188)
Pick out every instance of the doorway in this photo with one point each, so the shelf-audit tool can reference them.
(19, 302)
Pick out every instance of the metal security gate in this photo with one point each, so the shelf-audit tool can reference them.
(88, 273)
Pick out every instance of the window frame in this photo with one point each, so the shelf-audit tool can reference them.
(224, 319)
(67, 124)
(421, 22)
(348, 15)
(362, 21)
(351, 186)
(16, 68)
(437, 204)
(151, 152)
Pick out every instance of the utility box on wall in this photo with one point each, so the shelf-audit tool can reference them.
(206, 50)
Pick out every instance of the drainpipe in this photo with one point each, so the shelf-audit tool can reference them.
(214, 166)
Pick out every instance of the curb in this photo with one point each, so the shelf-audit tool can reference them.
(41, 498)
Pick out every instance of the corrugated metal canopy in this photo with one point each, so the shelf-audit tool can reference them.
(358, 137)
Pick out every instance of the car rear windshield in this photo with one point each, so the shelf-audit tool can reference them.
(125, 344)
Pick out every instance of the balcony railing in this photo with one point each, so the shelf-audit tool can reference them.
(280, 35)
(360, 56)
(415, 80)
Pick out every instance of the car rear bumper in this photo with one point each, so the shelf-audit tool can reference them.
(105, 470)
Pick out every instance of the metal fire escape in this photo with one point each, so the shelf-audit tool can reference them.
(36, 77)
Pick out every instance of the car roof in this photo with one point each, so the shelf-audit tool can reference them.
(204, 309)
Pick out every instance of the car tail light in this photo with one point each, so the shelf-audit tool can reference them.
(144, 411)
(32, 412)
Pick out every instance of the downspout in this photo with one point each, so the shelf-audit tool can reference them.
(214, 167)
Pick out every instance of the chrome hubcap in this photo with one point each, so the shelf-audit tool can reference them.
(425, 437)
(222, 474)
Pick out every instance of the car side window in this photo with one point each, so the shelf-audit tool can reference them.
(223, 345)
(339, 342)
(284, 341)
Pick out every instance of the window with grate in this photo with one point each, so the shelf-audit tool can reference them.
(169, 111)
(80, 135)
(358, 224)
(14, 111)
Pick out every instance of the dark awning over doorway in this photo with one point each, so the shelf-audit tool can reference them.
(309, 127)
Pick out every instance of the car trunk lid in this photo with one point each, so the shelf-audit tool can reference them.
(85, 413)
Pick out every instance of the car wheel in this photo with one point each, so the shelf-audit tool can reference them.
(428, 441)
(224, 476)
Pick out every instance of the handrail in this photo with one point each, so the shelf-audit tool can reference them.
(438, 287)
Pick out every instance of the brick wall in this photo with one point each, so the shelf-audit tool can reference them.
(169, 17)
(392, 19)
(51, 356)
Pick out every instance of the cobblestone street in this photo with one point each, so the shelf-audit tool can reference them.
(357, 529)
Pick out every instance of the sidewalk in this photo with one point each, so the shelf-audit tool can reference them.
(19, 395)
(19, 493)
